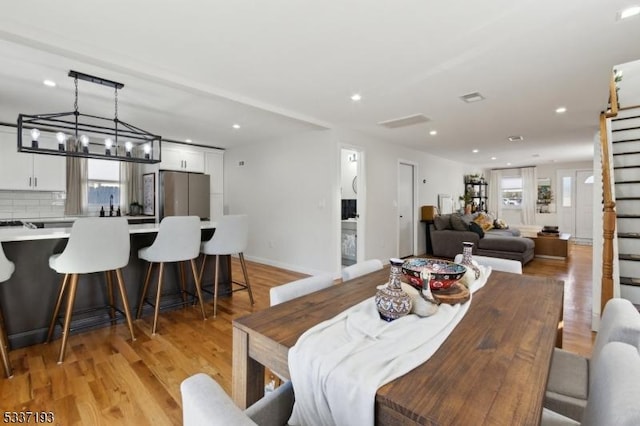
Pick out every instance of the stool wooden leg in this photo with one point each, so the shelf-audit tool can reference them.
(198, 289)
(56, 309)
(125, 301)
(215, 286)
(157, 307)
(145, 287)
(4, 348)
(67, 319)
(246, 276)
(112, 309)
(204, 259)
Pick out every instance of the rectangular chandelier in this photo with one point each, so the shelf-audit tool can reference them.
(74, 134)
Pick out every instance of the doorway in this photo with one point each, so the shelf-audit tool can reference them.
(575, 204)
(352, 206)
(406, 209)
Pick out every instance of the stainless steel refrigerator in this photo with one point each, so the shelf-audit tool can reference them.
(184, 194)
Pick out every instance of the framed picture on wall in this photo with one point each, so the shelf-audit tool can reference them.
(149, 194)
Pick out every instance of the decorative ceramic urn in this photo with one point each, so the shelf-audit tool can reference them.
(393, 302)
(467, 258)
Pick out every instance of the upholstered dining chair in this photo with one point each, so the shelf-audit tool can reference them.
(299, 288)
(6, 270)
(496, 263)
(614, 390)
(361, 268)
(230, 237)
(570, 375)
(204, 402)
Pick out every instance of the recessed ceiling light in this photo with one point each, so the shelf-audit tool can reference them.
(433, 132)
(561, 110)
(475, 151)
(629, 12)
(236, 126)
(515, 138)
(49, 83)
(188, 140)
(508, 164)
(494, 158)
(472, 97)
(356, 97)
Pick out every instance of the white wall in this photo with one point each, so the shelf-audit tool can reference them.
(381, 171)
(291, 190)
(288, 189)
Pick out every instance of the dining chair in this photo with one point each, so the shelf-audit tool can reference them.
(614, 390)
(204, 402)
(6, 271)
(362, 268)
(570, 374)
(496, 263)
(230, 237)
(299, 288)
(96, 244)
(178, 240)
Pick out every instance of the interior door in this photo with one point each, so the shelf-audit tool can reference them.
(566, 203)
(405, 210)
(584, 206)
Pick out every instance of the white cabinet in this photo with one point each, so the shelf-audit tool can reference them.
(23, 171)
(214, 167)
(183, 159)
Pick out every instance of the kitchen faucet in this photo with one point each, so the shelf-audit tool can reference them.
(111, 205)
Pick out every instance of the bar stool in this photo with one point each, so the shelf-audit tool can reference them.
(6, 270)
(95, 245)
(230, 237)
(178, 240)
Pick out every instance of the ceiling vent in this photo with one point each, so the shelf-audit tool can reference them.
(405, 121)
(515, 138)
(472, 97)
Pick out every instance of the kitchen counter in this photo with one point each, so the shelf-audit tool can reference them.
(22, 233)
(27, 299)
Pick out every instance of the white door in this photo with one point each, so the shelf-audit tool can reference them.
(405, 210)
(584, 205)
(566, 203)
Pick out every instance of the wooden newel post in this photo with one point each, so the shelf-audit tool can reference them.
(608, 220)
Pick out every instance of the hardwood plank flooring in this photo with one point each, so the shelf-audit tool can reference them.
(109, 380)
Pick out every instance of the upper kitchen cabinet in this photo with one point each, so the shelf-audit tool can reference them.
(23, 171)
(181, 158)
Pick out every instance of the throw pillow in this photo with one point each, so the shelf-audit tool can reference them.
(473, 226)
(442, 222)
(484, 221)
(458, 223)
(500, 224)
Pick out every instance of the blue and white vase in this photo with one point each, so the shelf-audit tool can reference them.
(393, 302)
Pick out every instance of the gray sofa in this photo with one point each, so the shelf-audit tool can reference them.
(448, 232)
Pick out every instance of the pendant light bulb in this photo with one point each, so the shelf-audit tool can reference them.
(108, 143)
(35, 134)
(61, 137)
(128, 146)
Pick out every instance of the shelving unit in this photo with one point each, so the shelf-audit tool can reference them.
(477, 189)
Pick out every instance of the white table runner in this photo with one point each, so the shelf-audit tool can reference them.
(338, 365)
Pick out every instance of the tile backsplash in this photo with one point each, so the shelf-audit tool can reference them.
(31, 204)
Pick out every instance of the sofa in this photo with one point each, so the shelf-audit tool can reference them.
(449, 231)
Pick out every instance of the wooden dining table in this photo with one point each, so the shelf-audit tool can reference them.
(492, 369)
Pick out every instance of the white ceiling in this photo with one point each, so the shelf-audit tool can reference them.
(193, 68)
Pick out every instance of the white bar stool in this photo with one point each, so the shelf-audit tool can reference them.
(230, 237)
(95, 245)
(178, 240)
(6, 270)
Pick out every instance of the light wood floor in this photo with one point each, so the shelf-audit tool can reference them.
(107, 379)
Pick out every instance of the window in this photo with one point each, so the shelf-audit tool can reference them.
(103, 185)
(511, 191)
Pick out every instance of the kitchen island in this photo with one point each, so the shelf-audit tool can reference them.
(28, 298)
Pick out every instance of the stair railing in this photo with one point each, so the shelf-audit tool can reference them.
(609, 215)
